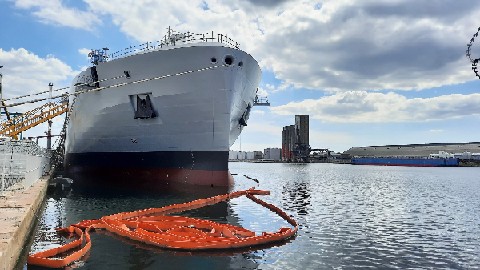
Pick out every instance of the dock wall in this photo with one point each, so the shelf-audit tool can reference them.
(18, 212)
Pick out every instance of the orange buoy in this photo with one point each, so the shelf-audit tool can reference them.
(154, 226)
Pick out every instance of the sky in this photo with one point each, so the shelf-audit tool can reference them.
(367, 72)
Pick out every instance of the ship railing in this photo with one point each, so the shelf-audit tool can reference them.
(174, 39)
(22, 163)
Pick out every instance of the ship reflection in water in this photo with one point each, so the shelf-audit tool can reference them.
(114, 252)
(349, 217)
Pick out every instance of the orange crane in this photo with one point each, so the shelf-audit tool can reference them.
(16, 125)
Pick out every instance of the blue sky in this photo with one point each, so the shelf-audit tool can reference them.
(367, 72)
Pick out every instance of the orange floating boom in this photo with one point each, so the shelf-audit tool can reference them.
(152, 226)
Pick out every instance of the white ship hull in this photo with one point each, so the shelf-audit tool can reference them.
(198, 106)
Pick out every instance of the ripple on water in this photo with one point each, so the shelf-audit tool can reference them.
(349, 216)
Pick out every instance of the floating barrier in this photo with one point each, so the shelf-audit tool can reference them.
(154, 226)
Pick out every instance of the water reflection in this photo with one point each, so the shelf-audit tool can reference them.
(349, 216)
(297, 197)
(110, 251)
(376, 217)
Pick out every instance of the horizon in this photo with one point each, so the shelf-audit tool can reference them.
(362, 146)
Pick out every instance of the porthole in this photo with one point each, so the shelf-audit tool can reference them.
(240, 64)
(213, 60)
(228, 60)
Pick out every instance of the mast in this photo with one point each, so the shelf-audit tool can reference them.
(49, 132)
(1, 97)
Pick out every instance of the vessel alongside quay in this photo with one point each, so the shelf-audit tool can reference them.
(406, 161)
(167, 111)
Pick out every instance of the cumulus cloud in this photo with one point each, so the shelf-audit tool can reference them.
(365, 45)
(322, 139)
(26, 73)
(326, 45)
(84, 52)
(267, 3)
(54, 12)
(258, 135)
(372, 107)
(330, 45)
(333, 46)
(145, 20)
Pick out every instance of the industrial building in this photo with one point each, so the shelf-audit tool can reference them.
(296, 141)
(245, 155)
(272, 154)
(417, 150)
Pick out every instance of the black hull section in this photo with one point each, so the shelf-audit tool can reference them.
(148, 169)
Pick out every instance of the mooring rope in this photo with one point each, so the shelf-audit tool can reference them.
(112, 86)
(65, 88)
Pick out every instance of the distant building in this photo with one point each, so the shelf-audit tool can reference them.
(235, 155)
(245, 155)
(459, 150)
(257, 155)
(296, 141)
(272, 154)
(302, 143)
(302, 129)
(288, 142)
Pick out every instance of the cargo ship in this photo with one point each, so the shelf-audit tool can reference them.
(160, 113)
(406, 161)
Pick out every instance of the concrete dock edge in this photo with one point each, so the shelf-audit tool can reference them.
(18, 212)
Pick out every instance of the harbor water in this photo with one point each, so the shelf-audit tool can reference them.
(349, 216)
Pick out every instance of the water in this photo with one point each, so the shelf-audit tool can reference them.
(349, 216)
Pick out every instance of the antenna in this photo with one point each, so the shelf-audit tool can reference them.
(1, 76)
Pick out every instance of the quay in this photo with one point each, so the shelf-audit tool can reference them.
(25, 170)
(19, 211)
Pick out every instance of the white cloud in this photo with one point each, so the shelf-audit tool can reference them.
(262, 92)
(146, 20)
(263, 128)
(326, 139)
(257, 113)
(369, 45)
(371, 107)
(332, 45)
(258, 135)
(84, 52)
(54, 12)
(27, 73)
